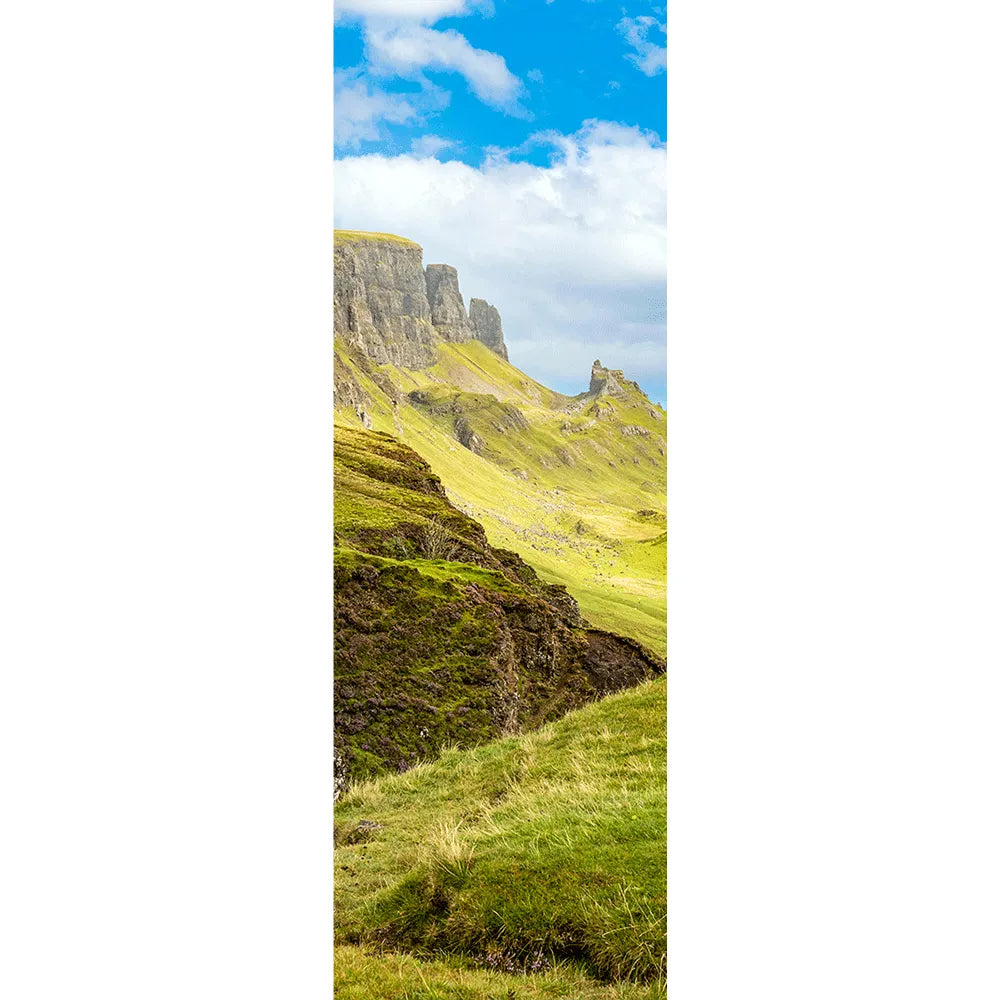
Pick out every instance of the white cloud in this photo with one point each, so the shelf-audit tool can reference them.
(425, 11)
(358, 108)
(430, 145)
(535, 75)
(649, 57)
(408, 50)
(573, 254)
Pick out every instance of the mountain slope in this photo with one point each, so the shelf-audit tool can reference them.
(442, 638)
(575, 485)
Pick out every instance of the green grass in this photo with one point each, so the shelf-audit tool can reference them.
(430, 571)
(379, 485)
(364, 975)
(552, 841)
(359, 235)
(416, 674)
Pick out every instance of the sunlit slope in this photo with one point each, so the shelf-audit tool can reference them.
(550, 844)
(575, 485)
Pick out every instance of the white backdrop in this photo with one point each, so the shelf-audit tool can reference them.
(165, 545)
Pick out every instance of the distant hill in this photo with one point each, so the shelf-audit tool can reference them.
(576, 485)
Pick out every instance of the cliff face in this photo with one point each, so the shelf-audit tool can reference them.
(447, 308)
(486, 326)
(380, 301)
(393, 310)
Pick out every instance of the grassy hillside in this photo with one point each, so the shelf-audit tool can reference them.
(542, 849)
(440, 637)
(575, 485)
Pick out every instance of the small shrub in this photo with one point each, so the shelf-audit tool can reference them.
(438, 541)
(399, 547)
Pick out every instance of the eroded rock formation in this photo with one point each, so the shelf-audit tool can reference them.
(610, 382)
(486, 326)
(380, 301)
(447, 307)
(392, 309)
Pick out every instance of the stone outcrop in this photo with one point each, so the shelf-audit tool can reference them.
(468, 437)
(447, 307)
(605, 381)
(380, 301)
(486, 326)
(476, 415)
(394, 311)
(610, 382)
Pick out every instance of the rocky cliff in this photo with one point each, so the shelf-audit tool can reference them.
(486, 326)
(394, 311)
(447, 308)
(610, 382)
(380, 301)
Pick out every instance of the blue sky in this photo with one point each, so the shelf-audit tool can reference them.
(522, 141)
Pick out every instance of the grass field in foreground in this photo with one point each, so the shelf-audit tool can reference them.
(550, 843)
(361, 975)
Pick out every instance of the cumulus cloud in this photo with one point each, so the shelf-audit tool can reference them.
(649, 56)
(572, 253)
(407, 50)
(535, 75)
(425, 11)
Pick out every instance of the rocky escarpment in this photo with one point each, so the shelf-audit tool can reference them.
(439, 637)
(486, 326)
(380, 301)
(394, 311)
(447, 308)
